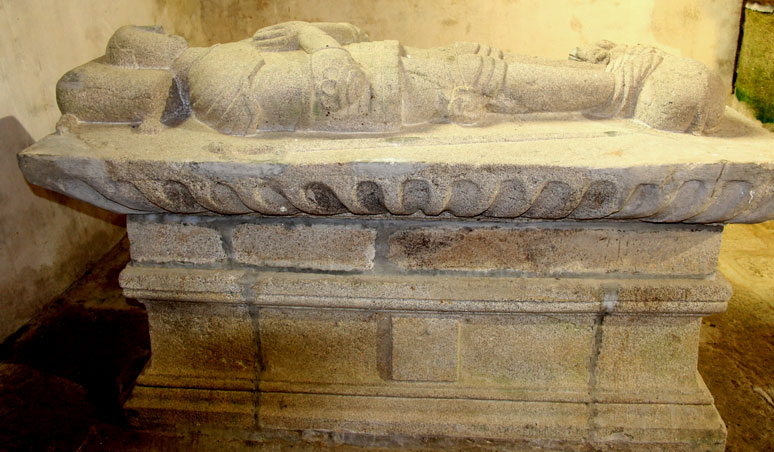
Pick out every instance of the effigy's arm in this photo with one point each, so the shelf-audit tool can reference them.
(310, 37)
(339, 83)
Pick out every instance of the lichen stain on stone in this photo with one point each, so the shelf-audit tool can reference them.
(422, 247)
(466, 248)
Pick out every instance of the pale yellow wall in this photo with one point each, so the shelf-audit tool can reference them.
(702, 29)
(45, 245)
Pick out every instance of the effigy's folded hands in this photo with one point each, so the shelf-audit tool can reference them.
(288, 36)
(278, 38)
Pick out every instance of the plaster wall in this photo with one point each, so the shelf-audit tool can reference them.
(702, 29)
(47, 240)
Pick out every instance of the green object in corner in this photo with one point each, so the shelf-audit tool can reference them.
(755, 68)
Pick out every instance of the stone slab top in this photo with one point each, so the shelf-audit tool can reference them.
(546, 167)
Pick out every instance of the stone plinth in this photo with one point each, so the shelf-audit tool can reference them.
(549, 332)
(527, 286)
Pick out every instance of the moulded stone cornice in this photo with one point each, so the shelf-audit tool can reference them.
(539, 169)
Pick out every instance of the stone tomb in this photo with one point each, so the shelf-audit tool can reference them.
(526, 285)
(324, 262)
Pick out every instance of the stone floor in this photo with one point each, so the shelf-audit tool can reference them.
(736, 353)
(64, 376)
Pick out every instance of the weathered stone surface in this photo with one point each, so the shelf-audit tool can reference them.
(329, 77)
(143, 47)
(439, 293)
(545, 250)
(548, 353)
(163, 406)
(152, 242)
(135, 95)
(318, 346)
(182, 284)
(654, 354)
(492, 357)
(409, 246)
(316, 246)
(201, 341)
(397, 423)
(579, 170)
(393, 334)
(528, 350)
(424, 348)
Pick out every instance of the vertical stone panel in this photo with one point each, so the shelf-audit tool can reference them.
(201, 340)
(640, 353)
(320, 346)
(544, 352)
(424, 348)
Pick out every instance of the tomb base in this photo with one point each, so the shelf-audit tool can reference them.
(426, 334)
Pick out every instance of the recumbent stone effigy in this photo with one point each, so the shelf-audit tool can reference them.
(362, 242)
(329, 77)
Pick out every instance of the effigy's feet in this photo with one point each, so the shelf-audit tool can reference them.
(661, 90)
